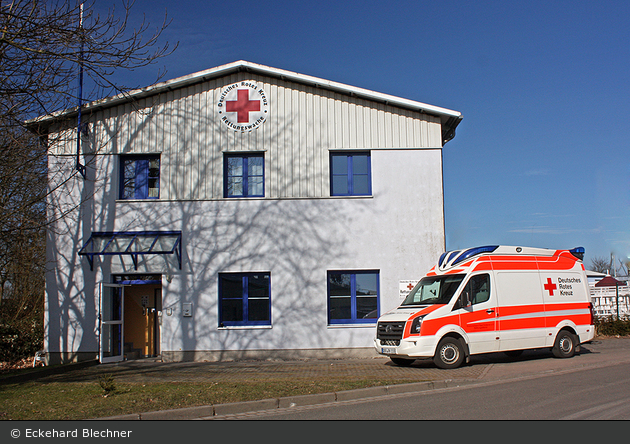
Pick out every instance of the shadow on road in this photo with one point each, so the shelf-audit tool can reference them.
(502, 358)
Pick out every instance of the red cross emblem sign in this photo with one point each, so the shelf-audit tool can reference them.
(550, 286)
(243, 106)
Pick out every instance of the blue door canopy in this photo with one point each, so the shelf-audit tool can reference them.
(132, 243)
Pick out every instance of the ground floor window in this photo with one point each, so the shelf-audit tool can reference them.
(353, 297)
(244, 299)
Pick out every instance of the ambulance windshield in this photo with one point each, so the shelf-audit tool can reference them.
(434, 290)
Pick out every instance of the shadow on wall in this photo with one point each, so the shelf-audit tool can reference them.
(295, 239)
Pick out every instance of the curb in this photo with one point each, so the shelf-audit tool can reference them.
(215, 410)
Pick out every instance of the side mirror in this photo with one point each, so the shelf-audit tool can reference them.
(464, 299)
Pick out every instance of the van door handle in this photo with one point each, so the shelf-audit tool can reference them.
(490, 310)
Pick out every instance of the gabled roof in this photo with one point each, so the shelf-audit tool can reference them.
(609, 281)
(449, 118)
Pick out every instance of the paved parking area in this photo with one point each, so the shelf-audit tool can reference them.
(334, 369)
(380, 367)
(422, 375)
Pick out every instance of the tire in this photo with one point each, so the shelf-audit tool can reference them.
(449, 353)
(565, 344)
(402, 362)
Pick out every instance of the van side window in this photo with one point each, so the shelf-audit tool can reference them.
(478, 287)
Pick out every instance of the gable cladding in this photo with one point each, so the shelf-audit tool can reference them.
(304, 124)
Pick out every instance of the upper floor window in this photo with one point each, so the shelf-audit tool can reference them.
(140, 177)
(244, 175)
(350, 174)
(353, 297)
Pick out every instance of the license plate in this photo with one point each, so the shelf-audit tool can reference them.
(388, 350)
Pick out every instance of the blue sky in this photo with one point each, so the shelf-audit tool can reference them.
(541, 157)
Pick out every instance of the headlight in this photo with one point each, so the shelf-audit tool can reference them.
(416, 324)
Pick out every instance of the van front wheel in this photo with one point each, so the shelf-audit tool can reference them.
(449, 353)
(565, 344)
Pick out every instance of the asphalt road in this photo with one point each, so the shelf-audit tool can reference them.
(594, 385)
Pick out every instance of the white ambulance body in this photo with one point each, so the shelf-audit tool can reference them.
(491, 299)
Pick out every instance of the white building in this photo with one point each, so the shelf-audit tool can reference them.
(243, 211)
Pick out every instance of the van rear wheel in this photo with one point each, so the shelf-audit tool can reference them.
(449, 353)
(565, 345)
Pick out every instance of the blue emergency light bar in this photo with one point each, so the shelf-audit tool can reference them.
(578, 252)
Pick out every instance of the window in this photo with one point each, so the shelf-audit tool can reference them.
(350, 174)
(434, 290)
(352, 297)
(478, 289)
(140, 177)
(244, 175)
(244, 299)
(138, 279)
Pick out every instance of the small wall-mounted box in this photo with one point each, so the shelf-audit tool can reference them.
(187, 309)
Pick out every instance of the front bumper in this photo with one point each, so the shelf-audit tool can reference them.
(413, 347)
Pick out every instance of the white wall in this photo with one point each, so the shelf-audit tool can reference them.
(297, 232)
(399, 231)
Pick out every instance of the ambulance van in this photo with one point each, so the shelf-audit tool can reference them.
(491, 299)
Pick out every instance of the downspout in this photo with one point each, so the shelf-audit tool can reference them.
(80, 167)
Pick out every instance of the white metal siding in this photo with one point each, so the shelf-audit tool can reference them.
(304, 124)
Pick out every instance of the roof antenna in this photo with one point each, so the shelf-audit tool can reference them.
(80, 167)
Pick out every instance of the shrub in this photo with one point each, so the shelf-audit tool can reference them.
(612, 326)
(20, 340)
(107, 383)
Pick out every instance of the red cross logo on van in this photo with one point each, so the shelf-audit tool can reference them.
(550, 286)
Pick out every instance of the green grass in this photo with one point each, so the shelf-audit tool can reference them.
(103, 398)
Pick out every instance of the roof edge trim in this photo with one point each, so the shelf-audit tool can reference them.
(449, 117)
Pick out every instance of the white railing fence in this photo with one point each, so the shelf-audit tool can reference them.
(611, 301)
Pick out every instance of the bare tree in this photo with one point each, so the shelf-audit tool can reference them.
(600, 264)
(603, 265)
(42, 43)
(54, 54)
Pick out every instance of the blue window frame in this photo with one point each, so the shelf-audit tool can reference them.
(140, 177)
(244, 175)
(244, 299)
(353, 297)
(350, 174)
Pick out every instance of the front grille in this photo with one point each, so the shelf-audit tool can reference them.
(390, 331)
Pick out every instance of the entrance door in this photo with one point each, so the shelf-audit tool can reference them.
(143, 307)
(112, 301)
